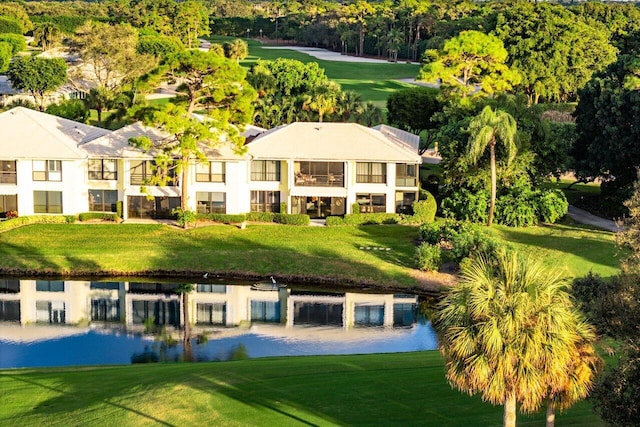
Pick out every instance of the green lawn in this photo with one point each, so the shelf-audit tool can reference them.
(374, 82)
(384, 389)
(288, 252)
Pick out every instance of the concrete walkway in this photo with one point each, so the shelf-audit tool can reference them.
(583, 217)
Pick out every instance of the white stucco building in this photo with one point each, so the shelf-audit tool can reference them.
(51, 165)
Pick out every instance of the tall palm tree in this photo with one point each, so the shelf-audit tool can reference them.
(47, 34)
(323, 100)
(508, 331)
(486, 130)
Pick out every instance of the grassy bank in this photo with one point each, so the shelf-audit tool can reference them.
(331, 254)
(387, 389)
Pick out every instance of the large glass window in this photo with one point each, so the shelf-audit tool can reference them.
(211, 288)
(265, 170)
(323, 174)
(8, 172)
(143, 173)
(265, 201)
(105, 310)
(47, 202)
(103, 200)
(404, 200)
(50, 312)
(49, 286)
(8, 203)
(406, 175)
(372, 202)
(210, 172)
(211, 314)
(265, 311)
(211, 203)
(371, 173)
(9, 311)
(105, 169)
(368, 315)
(47, 170)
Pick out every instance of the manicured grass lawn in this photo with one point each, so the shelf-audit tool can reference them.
(384, 389)
(577, 249)
(259, 250)
(374, 82)
(320, 253)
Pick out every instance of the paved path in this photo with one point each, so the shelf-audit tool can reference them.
(329, 55)
(583, 217)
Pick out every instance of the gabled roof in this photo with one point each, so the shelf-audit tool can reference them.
(116, 144)
(26, 133)
(330, 141)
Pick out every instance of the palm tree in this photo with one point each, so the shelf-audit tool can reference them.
(486, 129)
(47, 34)
(323, 99)
(509, 331)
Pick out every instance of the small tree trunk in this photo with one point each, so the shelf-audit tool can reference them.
(187, 323)
(509, 419)
(492, 204)
(551, 414)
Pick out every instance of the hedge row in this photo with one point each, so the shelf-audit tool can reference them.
(365, 219)
(290, 219)
(104, 216)
(12, 223)
(222, 218)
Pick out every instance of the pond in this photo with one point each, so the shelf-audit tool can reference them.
(46, 323)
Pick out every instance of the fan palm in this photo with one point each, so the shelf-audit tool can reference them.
(486, 129)
(509, 331)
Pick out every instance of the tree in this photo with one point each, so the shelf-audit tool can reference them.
(17, 12)
(411, 109)
(357, 12)
(9, 25)
(323, 99)
(159, 46)
(38, 76)
(509, 332)
(553, 50)
(236, 49)
(371, 115)
(72, 109)
(191, 20)
(608, 129)
(109, 55)
(470, 62)
(17, 42)
(213, 83)
(485, 130)
(5, 56)
(46, 34)
(99, 99)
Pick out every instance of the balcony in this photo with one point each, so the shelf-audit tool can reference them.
(144, 179)
(329, 180)
(8, 178)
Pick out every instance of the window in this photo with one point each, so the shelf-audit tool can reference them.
(8, 203)
(211, 288)
(406, 175)
(9, 311)
(372, 202)
(265, 201)
(49, 286)
(104, 169)
(47, 170)
(105, 310)
(8, 172)
(210, 172)
(143, 172)
(265, 311)
(211, 203)
(111, 286)
(211, 314)
(265, 170)
(368, 315)
(103, 200)
(47, 202)
(404, 202)
(9, 286)
(50, 312)
(371, 172)
(404, 314)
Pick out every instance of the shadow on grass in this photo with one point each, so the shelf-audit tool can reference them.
(388, 389)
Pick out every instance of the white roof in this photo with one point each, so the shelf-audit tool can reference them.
(116, 144)
(330, 141)
(400, 136)
(26, 133)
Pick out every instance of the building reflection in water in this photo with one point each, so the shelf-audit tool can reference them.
(39, 310)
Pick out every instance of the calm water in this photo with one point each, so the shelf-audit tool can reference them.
(65, 323)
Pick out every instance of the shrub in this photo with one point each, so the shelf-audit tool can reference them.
(283, 207)
(35, 219)
(260, 216)
(292, 219)
(10, 25)
(459, 239)
(355, 208)
(119, 208)
(72, 109)
(371, 218)
(5, 56)
(16, 41)
(11, 214)
(424, 211)
(159, 46)
(516, 210)
(428, 257)
(70, 219)
(184, 217)
(334, 221)
(104, 216)
(222, 218)
(551, 205)
(466, 206)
